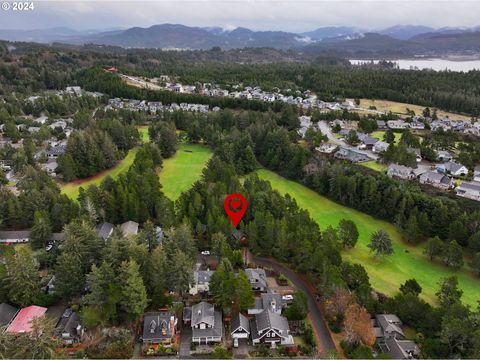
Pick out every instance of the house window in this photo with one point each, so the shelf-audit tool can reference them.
(268, 334)
(202, 326)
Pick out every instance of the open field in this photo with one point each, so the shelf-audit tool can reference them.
(72, 189)
(144, 136)
(181, 171)
(386, 274)
(375, 165)
(401, 108)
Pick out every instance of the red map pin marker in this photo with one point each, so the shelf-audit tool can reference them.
(235, 206)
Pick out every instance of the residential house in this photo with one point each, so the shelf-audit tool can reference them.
(104, 230)
(368, 141)
(129, 228)
(257, 278)
(56, 151)
(74, 90)
(7, 314)
(240, 327)
(435, 179)
(453, 168)
(51, 167)
(326, 148)
(391, 338)
(417, 125)
(381, 125)
(23, 321)
(159, 328)
(201, 282)
(476, 173)
(69, 328)
(443, 155)
(270, 328)
(41, 119)
(397, 124)
(206, 323)
(16, 236)
(351, 155)
(267, 301)
(380, 146)
(400, 172)
(417, 152)
(469, 190)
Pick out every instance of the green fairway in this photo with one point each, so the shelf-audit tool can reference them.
(144, 136)
(386, 274)
(181, 171)
(72, 189)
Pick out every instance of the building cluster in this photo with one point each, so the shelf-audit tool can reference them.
(390, 337)
(154, 107)
(68, 327)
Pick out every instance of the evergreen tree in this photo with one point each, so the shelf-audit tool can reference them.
(449, 293)
(134, 296)
(381, 243)
(69, 277)
(411, 286)
(453, 255)
(245, 296)
(21, 279)
(434, 247)
(348, 233)
(41, 230)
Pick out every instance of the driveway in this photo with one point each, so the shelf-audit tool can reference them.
(316, 313)
(185, 341)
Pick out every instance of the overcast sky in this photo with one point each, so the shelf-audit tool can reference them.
(292, 15)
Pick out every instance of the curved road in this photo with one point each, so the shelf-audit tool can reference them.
(316, 313)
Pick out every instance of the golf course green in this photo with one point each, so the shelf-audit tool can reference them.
(387, 273)
(180, 172)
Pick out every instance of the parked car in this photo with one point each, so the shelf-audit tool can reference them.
(205, 252)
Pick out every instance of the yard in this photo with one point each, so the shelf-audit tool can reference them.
(183, 169)
(401, 108)
(379, 135)
(374, 165)
(386, 274)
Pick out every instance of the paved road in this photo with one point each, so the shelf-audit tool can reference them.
(316, 312)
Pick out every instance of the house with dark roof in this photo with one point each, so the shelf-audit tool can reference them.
(104, 230)
(257, 278)
(7, 314)
(270, 328)
(206, 323)
(22, 323)
(201, 282)
(15, 236)
(69, 327)
(267, 301)
(435, 179)
(469, 190)
(391, 338)
(240, 327)
(159, 328)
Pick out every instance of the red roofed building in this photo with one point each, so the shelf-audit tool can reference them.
(23, 321)
(112, 70)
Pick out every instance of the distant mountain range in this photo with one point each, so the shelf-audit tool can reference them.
(399, 39)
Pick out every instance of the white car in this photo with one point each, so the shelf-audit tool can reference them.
(287, 297)
(235, 343)
(205, 252)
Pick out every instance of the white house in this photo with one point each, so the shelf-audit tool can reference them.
(469, 190)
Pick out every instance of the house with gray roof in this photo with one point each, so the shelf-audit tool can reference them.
(391, 338)
(400, 172)
(69, 327)
(206, 323)
(257, 278)
(15, 236)
(129, 228)
(159, 328)
(7, 314)
(270, 328)
(380, 146)
(351, 155)
(201, 282)
(267, 301)
(443, 155)
(104, 230)
(240, 327)
(452, 168)
(435, 179)
(469, 190)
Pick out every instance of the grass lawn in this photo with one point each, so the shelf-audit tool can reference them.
(386, 274)
(379, 135)
(401, 108)
(144, 136)
(72, 189)
(183, 169)
(375, 165)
